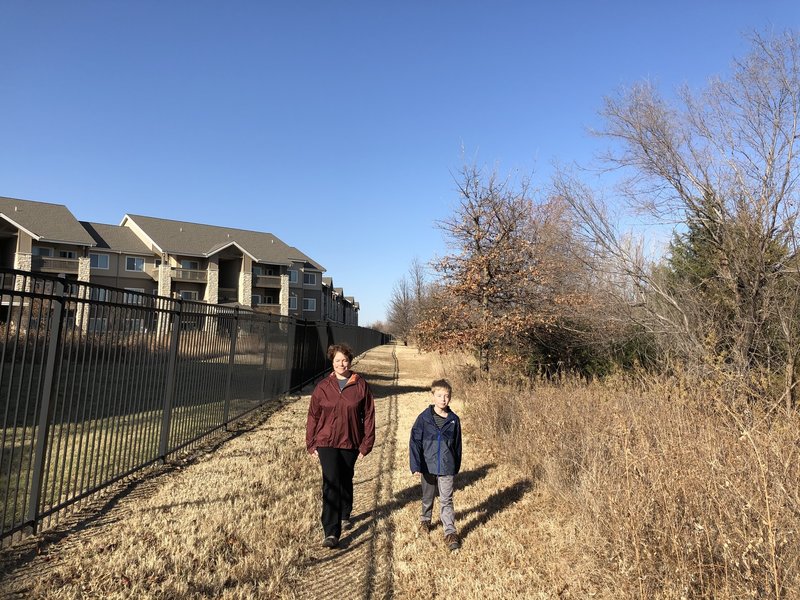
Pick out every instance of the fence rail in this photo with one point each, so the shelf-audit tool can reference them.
(97, 383)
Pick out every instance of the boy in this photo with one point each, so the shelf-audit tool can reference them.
(435, 453)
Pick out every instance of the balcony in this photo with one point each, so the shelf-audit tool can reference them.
(47, 264)
(267, 281)
(189, 274)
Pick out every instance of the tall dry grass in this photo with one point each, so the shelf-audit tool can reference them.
(678, 495)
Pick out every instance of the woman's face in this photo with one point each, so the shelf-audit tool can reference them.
(341, 364)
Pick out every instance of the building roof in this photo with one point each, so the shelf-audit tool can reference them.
(115, 238)
(45, 222)
(299, 256)
(197, 239)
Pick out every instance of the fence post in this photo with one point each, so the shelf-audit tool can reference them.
(169, 391)
(231, 361)
(265, 362)
(45, 410)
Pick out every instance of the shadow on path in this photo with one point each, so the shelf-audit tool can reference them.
(100, 510)
(494, 504)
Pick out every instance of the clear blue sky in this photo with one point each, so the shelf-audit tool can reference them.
(337, 126)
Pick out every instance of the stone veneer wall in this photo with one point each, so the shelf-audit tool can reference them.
(165, 279)
(23, 262)
(84, 269)
(212, 284)
(284, 294)
(246, 288)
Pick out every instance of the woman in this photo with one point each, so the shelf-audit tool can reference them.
(340, 429)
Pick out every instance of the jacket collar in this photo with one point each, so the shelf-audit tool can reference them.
(449, 416)
(353, 378)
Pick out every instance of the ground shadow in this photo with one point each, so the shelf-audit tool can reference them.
(494, 504)
(413, 493)
(97, 511)
(363, 522)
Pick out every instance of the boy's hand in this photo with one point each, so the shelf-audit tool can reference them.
(315, 454)
(415, 473)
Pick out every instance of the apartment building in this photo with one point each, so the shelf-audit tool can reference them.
(120, 259)
(43, 237)
(336, 306)
(224, 265)
(178, 259)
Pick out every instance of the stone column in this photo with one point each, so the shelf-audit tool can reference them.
(284, 299)
(82, 308)
(246, 282)
(212, 283)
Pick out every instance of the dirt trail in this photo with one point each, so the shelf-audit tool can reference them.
(240, 519)
(79, 559)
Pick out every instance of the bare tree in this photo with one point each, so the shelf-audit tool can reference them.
(723, 164)
(401, 309)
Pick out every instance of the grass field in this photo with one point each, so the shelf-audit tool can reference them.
(566, 491)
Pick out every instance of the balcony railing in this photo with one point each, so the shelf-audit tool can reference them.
(270, 281)
(47, 264)
(189, 274)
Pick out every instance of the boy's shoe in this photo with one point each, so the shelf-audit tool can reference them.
(452, 541)
(330, 541)
(347, 524)
(424, 527)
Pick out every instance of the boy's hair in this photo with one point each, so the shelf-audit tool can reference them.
(343, 348)
(442, 384)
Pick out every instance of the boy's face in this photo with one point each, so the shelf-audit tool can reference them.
(441, 398)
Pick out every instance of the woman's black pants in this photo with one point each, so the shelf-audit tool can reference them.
(338, 466)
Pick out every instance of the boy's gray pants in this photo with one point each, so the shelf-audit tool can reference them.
(443, 486)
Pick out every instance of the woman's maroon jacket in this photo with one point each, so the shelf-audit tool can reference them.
(343, 419)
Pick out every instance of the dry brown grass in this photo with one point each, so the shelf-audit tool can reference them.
(676, 494)
(566, 491)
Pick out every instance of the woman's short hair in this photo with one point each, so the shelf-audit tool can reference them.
(343, 348)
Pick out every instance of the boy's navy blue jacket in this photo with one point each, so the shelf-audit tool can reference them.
(432, 450)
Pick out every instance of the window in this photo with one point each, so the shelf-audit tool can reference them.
(98, 261)
(269, 300)
(158, 263)
(41, 251)
(292, 302)
(134, 263)
(255, 300)
(309, 304)
(67, 254)
(309, 279)
(190, 264)
(189, 295)
(292, 276)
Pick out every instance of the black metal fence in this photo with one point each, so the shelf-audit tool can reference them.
(97, 383)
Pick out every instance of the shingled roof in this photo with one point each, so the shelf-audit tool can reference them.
(45, 222)
(197, 239)
(115, 238)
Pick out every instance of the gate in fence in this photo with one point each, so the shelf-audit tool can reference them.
(97, 383)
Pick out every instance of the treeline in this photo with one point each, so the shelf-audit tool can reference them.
(547, 281)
